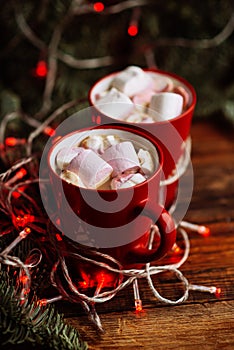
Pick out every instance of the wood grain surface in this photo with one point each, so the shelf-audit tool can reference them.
(203, 321)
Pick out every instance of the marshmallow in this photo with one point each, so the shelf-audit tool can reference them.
(126, 180)
(92, 169)
(181, 91)
(65, 156)
(126, 184)
(134, 118)
(138, 117)
(143, 98)
(111, 140)
(121, 157)
(132, 80)
(121, 181)
(99, 143)
(159, 84)
(94, 142)
(165, 106)
(72, 178)
(146, 161)
(115, 104)
(137, 178)
(163, 84)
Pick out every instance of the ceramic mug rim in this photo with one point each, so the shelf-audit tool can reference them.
(149, 70)
(127, 128)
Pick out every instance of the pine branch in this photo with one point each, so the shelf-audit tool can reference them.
(30, 324)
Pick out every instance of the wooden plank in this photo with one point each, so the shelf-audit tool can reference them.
(206, 326)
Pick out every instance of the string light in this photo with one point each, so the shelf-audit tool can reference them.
(24, 279)
(101, 282)
(49, 131)
(176, 249)
(134, 21)
(41, 69)
(137, 299)
(12, 141)
(24, 220)
(23, 234)
(133, 30)
(218, 292)
(83, 284)
(21, 173)
(58, 237)
(17, 194)
(34, 258)
(18, 176)
(213, 290)
(98, 6)
(44, 302)
(202, 230)
(150, 57)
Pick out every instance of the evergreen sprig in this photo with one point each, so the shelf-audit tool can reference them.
(33, 325)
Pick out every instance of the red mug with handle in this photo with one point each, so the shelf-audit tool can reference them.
(115, 222)
(171, 133)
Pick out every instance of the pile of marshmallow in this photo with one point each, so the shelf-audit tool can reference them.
(137, 96)
(104, 159)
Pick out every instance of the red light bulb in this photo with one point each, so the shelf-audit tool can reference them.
(98, 6)
(21, 173)
(41, 69)
(83, 284)
(42, 302)
(176, 249)
(12, 141)
(49, 131)
(23, 279)
(138, 305)
(22, 221)
(58, 237)
(204, 231)
(218, 292)
(133, 30)
(17, 194)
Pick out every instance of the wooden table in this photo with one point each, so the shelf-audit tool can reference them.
(203, 321)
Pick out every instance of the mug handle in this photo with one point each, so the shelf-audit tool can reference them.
(167, 231)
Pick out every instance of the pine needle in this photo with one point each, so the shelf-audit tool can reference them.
(32, 324)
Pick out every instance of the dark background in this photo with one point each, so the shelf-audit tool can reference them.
(207, 65)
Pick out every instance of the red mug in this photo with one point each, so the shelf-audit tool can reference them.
(170, 134)
(115, 222)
